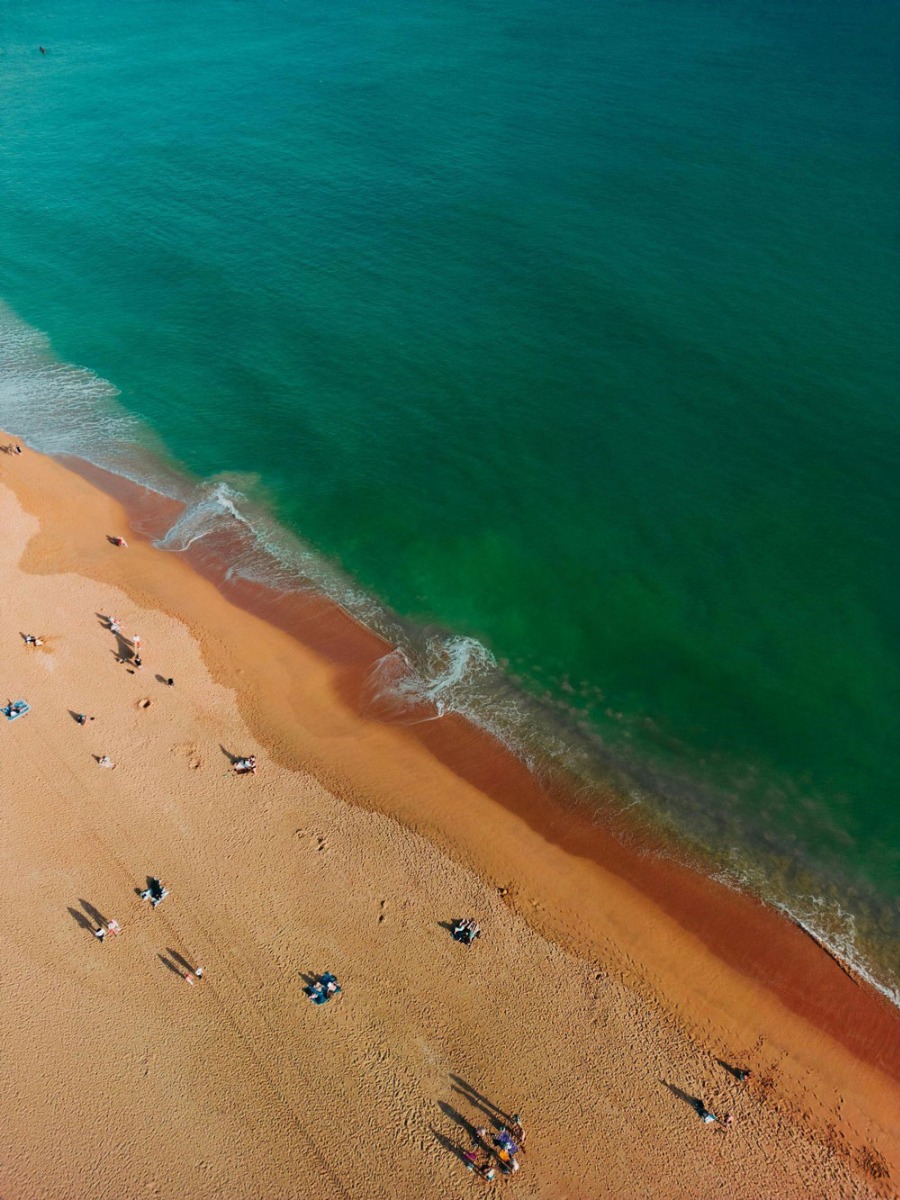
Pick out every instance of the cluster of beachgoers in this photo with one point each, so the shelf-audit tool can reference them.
(290, 889)
(489, 1153)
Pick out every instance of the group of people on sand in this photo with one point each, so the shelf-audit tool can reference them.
(155, 892)
(465, 930)
(134, 659)
(323, 989)
(490, 1154)
(110, 928)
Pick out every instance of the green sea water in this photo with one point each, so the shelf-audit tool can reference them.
(567, 332)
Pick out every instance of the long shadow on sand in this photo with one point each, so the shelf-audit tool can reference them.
(695, 1102)
(496, 1115)
(450, 1146)
(173, 967)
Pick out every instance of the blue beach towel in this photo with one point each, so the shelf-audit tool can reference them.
(18, 708)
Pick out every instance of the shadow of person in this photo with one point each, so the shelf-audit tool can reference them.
(450, 1146)
(491, 1110)
(739, 1073)
(179, 959)
(448, 925)
(81, 919)
(95, 915)
(232, 758)
(693, 1101)
(458, 1119)
(172, 966)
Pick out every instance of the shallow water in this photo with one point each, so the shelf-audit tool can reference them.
(565, 336)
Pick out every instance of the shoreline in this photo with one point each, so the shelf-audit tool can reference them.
(739, 929)
(741, 978)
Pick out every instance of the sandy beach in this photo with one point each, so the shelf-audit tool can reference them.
(611, 989)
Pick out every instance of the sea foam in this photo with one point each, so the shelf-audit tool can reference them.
(65, 409)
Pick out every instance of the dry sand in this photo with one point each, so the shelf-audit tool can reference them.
(586, 1006)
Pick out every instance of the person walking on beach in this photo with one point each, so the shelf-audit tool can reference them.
(120, 542)
(114, 928)
(83, 718)
(99, 933)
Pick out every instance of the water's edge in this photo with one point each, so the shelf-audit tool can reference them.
(72, 415)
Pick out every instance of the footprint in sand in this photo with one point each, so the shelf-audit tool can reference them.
(191, 753)
(382, 914)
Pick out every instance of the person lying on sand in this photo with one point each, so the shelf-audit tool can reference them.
(155, 892)
(465, 931)
(31, 640)
(105, 761)
(119, 541)
(325, 987)
(245, 766)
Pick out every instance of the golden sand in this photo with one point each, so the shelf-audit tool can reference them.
(586, 1006)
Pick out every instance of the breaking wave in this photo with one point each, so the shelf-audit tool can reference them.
(62, 409)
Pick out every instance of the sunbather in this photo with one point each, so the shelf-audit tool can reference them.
(324, 988)
(155, 892)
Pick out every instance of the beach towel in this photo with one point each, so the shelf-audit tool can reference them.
(18, 708)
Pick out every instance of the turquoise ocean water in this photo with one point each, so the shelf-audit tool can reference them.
(566, 334)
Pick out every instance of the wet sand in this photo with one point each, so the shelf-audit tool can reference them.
(610, 986)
